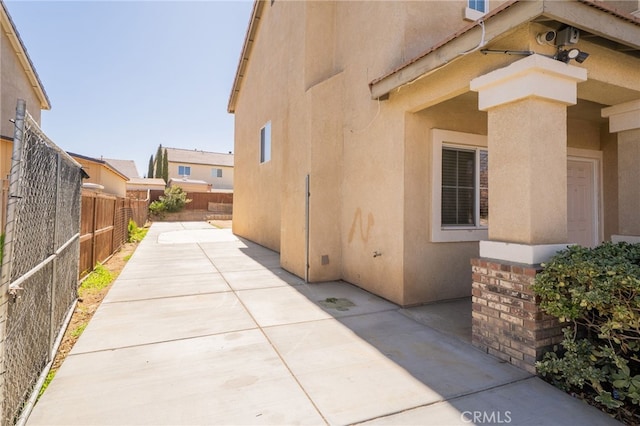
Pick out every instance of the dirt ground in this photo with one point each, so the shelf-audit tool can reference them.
(89, 303)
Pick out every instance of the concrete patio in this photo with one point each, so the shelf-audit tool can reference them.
(202, 327)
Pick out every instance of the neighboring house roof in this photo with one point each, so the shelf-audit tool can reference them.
(102, 162)
(147, 181)
(177, 155)
(9, 28)
(126, 167)
(138, 184)
(256, 13)
(502, 19)
(190, 181)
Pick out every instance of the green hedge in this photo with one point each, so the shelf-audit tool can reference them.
(597, 292)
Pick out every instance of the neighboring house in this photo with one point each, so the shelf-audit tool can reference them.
(135, 183)
(388, 143)
(126, 167)
(213, 168)
(102, 176)
(18, 80)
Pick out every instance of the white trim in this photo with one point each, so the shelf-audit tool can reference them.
(594, 157)
(533, 76)
(631, 239)
(472, 14)
(264, 151)
(623, 117)
(463, 140)
(519, 253)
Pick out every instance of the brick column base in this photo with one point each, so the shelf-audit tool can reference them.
(507, 320)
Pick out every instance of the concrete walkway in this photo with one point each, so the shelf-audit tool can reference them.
(204, 328)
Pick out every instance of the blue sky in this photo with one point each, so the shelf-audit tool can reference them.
(125, 76)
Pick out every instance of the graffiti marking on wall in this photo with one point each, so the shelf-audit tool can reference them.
(357, 223)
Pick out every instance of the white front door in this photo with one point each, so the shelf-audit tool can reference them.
(582, 208)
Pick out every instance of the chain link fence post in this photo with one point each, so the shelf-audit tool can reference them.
(14, 196)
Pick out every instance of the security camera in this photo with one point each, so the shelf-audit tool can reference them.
(569, 35)
(546, 37)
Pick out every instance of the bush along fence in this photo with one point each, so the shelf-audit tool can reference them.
(40, 260)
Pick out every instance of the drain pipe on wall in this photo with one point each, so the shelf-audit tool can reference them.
(306, 227)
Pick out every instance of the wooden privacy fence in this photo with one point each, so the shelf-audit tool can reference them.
(199, 200)
(104, 226)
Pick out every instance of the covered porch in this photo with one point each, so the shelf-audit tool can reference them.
(562, 137)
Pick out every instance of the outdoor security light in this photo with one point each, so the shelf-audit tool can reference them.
(567, 55)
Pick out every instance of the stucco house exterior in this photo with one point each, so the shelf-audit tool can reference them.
(102, 175)
(390, 143)
(214, 168)
(18, 80)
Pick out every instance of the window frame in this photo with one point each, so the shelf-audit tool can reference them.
(472, 13)
(184, 169)
(265, 143)
(463, 141)
(216, 172)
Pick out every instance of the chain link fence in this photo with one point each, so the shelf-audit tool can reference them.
(40, 261)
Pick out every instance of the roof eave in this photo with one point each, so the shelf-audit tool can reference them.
(582, 14)
(254, 22)
(11, 32)
(467, 39)
(100, 162)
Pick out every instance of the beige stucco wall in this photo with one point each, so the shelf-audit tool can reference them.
(113, 183)
(6, 149)
(14, 84)
(369, 162)
(434, 270)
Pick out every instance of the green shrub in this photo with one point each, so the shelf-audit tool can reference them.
(157, 209)
(597, 291)
(136, 234)
(173, 200)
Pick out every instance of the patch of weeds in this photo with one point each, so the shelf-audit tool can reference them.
(47, 381)
(127, 257)
(97, 280)
(78, 330)
(136, 234)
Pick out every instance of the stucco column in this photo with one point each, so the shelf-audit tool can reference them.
(526, 104)
(527, 139)
(624, 119)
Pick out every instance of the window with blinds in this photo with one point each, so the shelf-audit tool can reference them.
(460, 186)
(465, 192)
